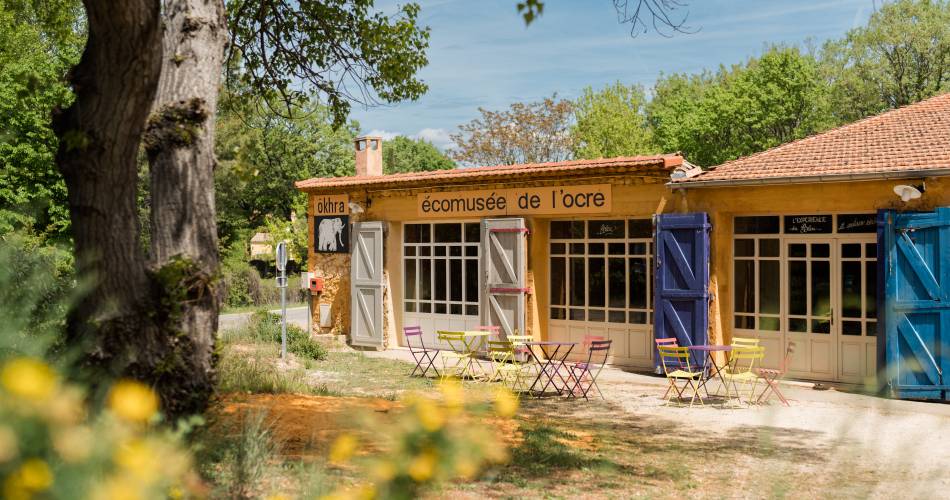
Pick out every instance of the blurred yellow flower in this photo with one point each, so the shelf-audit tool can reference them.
(343, 448)
(133, 401)
(8, 444)
(277, 496)
(383, 470)
(29, 378)
(74, 444)
(465, 468)
(67, 407)
(452, 393)
(506, 404)
(141, 459)
(429, 414)
(423, 465)
(32, 477)
(118, 488)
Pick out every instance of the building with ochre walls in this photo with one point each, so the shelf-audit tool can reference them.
(787, 245)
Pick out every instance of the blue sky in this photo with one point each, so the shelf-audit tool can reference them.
(481, 54)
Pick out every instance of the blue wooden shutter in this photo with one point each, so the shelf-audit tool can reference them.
(916, 305)
(681, 304)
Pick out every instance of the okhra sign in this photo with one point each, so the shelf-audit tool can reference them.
(552, 200)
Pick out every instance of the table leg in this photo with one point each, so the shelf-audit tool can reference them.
(552, 362)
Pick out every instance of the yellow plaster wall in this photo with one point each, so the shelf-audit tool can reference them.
(722, 204)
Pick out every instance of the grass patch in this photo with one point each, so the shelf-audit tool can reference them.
(253, 308)
(264, 326)
(546, 447)
(255, 374)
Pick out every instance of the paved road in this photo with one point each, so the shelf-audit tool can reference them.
(295, 315)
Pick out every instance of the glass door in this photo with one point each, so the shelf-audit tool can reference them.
(810, 306)
(857, 296)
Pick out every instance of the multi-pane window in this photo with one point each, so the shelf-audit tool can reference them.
(757, 282)
(859, 289)
(601, 270)
(440, 262)
(773, 256)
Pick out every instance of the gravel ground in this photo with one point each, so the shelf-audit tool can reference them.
(886, 448)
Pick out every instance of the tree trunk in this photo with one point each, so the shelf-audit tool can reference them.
(150, 320)
(179, 141)
(115, 83)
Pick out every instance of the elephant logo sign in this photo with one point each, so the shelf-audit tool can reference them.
(332, 235)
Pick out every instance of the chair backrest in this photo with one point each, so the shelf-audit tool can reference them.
(744, 359)
(413, 332)
(674, 358)
(455, 340)
(500, 351)
(669, 341)
(489, 328)
(744, 342)
(590, 339)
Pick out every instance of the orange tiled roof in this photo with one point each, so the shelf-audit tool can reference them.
(528, 171)
(904, 141)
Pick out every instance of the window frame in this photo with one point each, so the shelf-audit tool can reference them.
(469, 307)
(606, 256)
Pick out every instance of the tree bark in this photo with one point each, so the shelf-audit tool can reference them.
(179, 141)
(152, 320)
(115, 83)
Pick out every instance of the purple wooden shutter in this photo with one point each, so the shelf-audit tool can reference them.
(681, 280)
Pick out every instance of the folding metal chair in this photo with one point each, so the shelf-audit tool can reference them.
(425, 357)
(677, 367)
(669, 342)
(455, 362)
(585, 373)
(742, 366)
(745, 342)
(501, 353)
(771, 378)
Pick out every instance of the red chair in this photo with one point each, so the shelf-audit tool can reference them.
(424, 356)
(772, 377)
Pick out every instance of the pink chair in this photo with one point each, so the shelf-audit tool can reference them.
(772, 377)
(424, 356)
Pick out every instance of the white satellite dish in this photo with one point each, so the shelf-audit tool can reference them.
(906, 192)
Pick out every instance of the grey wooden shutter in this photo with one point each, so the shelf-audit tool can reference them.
(366, 281)
(504, 242)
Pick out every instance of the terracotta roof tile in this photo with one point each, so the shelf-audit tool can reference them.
(908, 139)
(528, 171)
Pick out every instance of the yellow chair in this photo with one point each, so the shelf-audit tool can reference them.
(745, 342)
(678, 368)
(742, 369)
(501, 353)
(522, 351)
(455, 362)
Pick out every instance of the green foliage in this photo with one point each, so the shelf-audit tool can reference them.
(264, 325)
(611, 122)
(41, 41)
(713, 118)
(36, 286)
(261, 154)
(402, 154)
(902, 56)
(249, 455)
(258, 375)
(338, 47)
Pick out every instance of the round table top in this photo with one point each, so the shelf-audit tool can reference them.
(477, 333)
(549, 342)
(711, 347)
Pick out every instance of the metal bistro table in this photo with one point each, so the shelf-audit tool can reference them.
(551, 364)
(709, 363)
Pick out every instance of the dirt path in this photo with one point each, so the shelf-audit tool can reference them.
(856, 443)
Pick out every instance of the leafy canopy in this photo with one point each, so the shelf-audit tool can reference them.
(337, 48)
(524, 133)
(611, 122)
(402, 154)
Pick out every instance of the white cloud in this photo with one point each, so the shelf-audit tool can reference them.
(439, 137)
(385, 134)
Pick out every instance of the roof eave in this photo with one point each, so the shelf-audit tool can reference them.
(811, 179)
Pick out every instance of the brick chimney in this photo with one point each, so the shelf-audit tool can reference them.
(369, 155)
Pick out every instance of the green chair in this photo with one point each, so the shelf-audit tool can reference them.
(455, 362)
(742, 370)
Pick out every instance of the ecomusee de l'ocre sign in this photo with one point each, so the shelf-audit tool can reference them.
(551, 200)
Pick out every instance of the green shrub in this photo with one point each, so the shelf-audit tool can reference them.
(264, 326)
